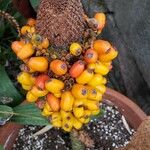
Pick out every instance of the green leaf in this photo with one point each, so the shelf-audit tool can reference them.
(35, 4)
(1, 147)
(4, 4)
(5, 114)
(29, 114)
(2, 28)
(7, 88)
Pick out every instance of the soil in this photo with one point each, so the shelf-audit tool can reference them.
(108, 132)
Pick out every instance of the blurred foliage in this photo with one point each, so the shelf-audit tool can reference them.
(8, 59)
(8, 33)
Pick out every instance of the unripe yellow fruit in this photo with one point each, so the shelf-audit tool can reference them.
(65, 114)
(46, 113)
(38, 92)
(91, 105)
(87, 113)
(57, 123)
(78, 112)
(30, 97)
(84, 120)
(79, 102)
(56, 116)
(100, 68)
(91, 66)
(101, 88)
(67, 125)
(47, 107)
(85, 76)
(79, 91)
(67, 101)
(26, 87)
(96, 112)
(75, 49)
(25, 79)
(94, 94)
(77, 124)
(96, 80)
(54, 85)
(25, 30)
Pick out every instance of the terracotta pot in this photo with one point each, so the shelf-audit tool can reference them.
(130, 110)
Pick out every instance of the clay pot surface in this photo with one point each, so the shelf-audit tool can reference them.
(133, 114)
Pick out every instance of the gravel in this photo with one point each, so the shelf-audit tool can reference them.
(109, 131)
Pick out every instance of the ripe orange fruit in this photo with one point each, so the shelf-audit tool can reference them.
(45, 43)
(31, 22)
(76, 69)
(91, 56)
(16, 46)
(101, 18)
(25, 30)
(79, 91)
(26, 51)
(58, 67)
(109, 56)
(101, 46)
(53, 102)
(38, 64)
(40, 81)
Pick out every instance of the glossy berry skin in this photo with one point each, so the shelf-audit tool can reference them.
(109, 56)
(85, 76)
(31, 22)
(91, 56)
(45, 43)
(79, 91)
(101, 46)
(54, 102)
(58, 67)
(101, 19)
(16, 46)
(39, 64)
(26, 51)
(40, 81)
(25, 30)
(75, 49)
(67, 101)
(54, 85)
(76, 69)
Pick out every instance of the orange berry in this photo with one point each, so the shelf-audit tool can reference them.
(45, 43)
(91, 56)
(26, 51)
(25, 30)
(40, 81)
(109, 56)
(53, 102)
(31, 22)
(79, 91)
(58, 67)
(76, 69)
(38, 64)
(101, 18)
(101, 46)
(16, 46)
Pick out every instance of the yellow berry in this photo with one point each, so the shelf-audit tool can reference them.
(75, 49)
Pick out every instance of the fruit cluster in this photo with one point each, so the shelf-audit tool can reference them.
(68, 86)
